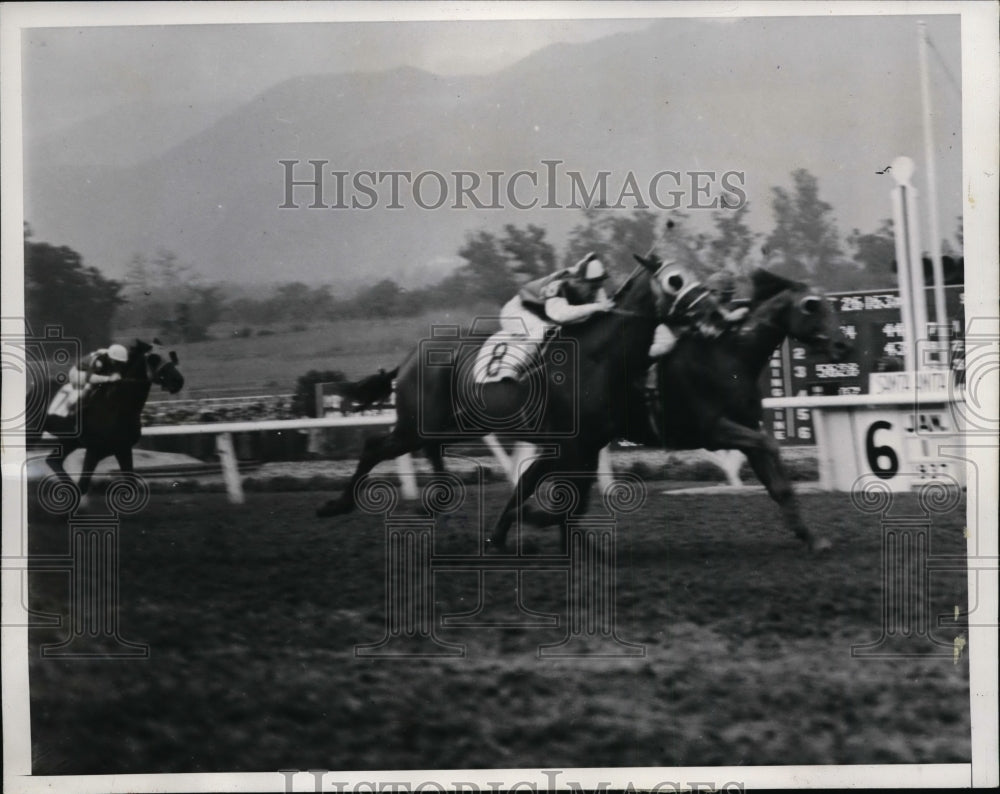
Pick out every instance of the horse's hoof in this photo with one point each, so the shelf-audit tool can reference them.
(334, 507)
(820, 546)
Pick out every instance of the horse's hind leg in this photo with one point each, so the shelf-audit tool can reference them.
(57, 457)
(124, 458)
(54, 460)
(377, 449)
(433, 452)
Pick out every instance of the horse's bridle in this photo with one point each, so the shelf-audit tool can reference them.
(688, 294)
(154, 372)
(678, 305)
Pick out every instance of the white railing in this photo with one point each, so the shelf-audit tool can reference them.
(233, 398)
(270, 424)
(230, 470)
(223, 432)
(849, 400)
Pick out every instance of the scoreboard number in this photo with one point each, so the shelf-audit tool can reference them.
(877, 454)
(871, 320)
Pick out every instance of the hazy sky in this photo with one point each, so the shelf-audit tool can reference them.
(181, 79)
(71, 74)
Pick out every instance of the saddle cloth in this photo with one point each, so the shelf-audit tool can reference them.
(504, 355)
(64, 401)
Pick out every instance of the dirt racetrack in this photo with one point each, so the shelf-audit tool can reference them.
(252, 614)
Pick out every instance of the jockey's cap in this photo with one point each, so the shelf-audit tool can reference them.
(590, 268)
(595, 271)
(118, 353)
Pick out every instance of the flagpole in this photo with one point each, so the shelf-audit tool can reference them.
(940, 316)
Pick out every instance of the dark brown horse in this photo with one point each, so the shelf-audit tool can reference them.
(369, 392)
(576, 399)
(109, 420)
(708, 390)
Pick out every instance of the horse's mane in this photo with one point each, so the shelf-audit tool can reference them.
(139, 347)
(767, 284)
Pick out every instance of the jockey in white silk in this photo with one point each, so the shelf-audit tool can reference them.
(566, 296)
(102, 366)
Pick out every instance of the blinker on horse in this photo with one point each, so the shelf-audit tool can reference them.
(612, 352)
(110, 417)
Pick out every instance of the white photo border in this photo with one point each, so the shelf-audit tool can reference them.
(981, 78)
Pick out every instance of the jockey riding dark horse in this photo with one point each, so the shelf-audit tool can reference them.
(589, 399)
(708, 389)
(106, 419)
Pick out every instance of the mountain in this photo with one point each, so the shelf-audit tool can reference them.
(126, 135)
(758, 96)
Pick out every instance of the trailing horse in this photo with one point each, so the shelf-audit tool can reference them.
(576, 401)
(708, 390)
(109, 419)
(371, 391)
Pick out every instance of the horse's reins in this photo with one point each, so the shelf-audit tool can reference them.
(627, 282)
(677, 302)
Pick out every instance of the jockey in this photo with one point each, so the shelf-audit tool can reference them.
(570, 295)
(723, 286)
(102, 366)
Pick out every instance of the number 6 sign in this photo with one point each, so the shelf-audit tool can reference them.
(882, 459)
(902, 444)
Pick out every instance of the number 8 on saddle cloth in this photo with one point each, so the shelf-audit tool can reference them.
(508, 355)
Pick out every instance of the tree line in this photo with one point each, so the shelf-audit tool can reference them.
(169, 297)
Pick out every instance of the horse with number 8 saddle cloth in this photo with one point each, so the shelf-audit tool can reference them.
(508, 354)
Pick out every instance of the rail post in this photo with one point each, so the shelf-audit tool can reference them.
(230, 468)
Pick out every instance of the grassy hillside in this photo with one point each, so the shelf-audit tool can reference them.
(271, 363)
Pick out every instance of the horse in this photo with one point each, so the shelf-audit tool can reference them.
(577, 414)
(373, 390)
(708, 389)
(109, 417)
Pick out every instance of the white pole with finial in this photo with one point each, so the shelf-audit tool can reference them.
(940, 313)
(907, 256)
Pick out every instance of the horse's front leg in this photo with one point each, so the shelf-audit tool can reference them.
(764, 456)
(525, 487)
(377, 449)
